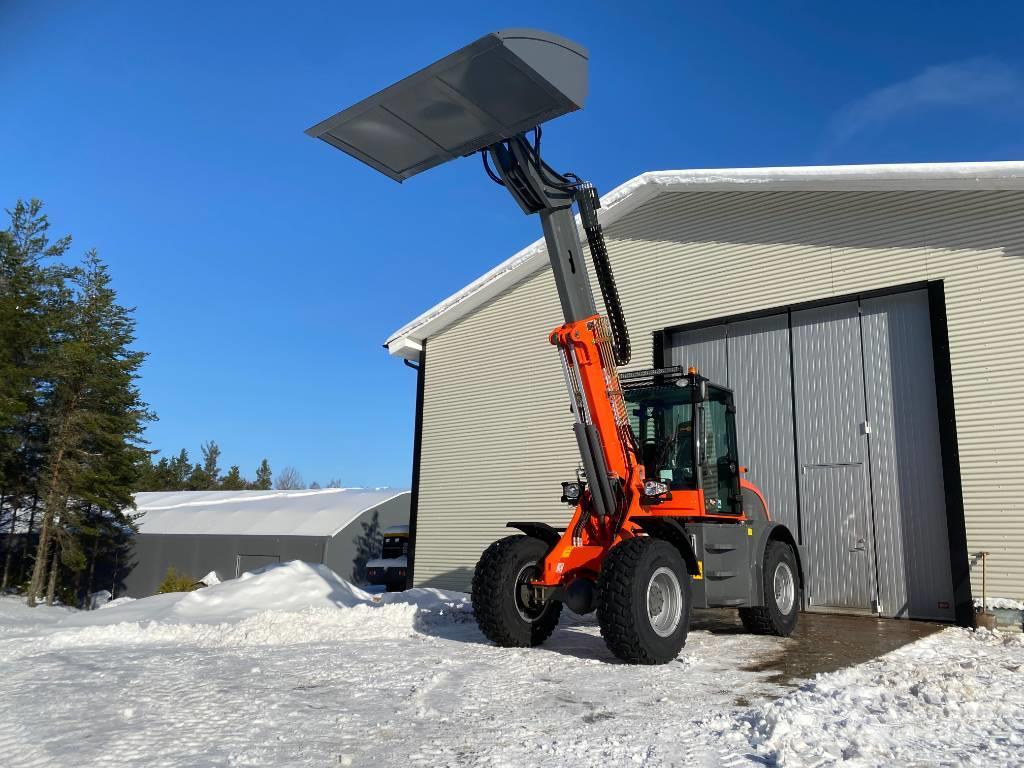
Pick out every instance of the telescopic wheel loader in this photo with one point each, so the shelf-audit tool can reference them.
(662, 520)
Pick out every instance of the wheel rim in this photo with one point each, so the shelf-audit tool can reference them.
(785, 588)
(526, 610)
(664, 602)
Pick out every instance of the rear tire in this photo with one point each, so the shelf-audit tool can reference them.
(781, 584)
(643, 601)
(501, 614)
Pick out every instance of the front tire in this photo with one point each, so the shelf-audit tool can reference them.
(643, 601)
(781, 594)
(502, 614)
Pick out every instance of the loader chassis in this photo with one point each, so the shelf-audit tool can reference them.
(658, 463)
(658, 524)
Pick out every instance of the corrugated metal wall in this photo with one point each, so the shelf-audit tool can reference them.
(906, 462)
(496, 437)
(754, 362)
(832, 456)
(874, 513)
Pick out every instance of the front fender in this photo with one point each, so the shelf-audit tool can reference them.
(765, 532)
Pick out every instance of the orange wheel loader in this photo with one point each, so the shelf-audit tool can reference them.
(661, 519)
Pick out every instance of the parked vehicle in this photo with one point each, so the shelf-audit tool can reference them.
(389, 570)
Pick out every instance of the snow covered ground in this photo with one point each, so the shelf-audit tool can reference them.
(293, 666)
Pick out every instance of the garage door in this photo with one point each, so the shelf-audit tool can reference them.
(837, 422)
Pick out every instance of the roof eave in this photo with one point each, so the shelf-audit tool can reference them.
(407, 341)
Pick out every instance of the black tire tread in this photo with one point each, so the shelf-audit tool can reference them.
(614, 608)
(613, 602)
(759, 620)
(488, 593)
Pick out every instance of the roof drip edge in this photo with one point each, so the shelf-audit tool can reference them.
(407, 341)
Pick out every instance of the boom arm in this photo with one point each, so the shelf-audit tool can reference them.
(589, 345)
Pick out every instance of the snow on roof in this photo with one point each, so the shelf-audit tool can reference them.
(407, 341)
(320, 512)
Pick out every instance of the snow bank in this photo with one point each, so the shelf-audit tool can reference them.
(294, 586)
(15, 616)
(312, 625)
(1000, 604)
(433, 606)
(293, 602)
(953, 697)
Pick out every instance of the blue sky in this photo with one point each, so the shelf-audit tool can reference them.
(268, 268)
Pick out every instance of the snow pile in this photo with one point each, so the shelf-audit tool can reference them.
(293, 586)
(116, 602)
(16, 618)
(294, 602)
(953, 697)
(1000, 604)
(312, 625)
(434, 606)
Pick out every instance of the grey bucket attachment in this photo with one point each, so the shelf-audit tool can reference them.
(503, 84)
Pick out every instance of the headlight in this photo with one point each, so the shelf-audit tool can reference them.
(655, 488)
(571, 492)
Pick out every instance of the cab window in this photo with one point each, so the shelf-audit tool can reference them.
(662, 420)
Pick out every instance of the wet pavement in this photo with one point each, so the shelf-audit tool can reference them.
(822, 642)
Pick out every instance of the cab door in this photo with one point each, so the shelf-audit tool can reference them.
(718, 457)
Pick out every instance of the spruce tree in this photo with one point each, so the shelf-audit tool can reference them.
(211, 457)
(95, 417)
(264, 479)
(233, 480)
(180, 468)
(32, 296)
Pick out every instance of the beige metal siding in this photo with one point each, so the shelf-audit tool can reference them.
(497, 434)
(496, 428)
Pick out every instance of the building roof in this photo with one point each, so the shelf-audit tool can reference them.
(321, 512)
(407, 341)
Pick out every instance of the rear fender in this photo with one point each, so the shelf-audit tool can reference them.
(764, 533)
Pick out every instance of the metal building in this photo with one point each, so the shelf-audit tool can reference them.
(869, 319)
(230, 532)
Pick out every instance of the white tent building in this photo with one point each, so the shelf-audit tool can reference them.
(230, 532)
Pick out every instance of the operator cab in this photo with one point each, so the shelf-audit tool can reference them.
(685, 428)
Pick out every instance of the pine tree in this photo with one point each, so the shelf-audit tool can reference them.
(198, 479)
(180, 468)
(368, 546)
(264, 479)
(211, 457)
(95, 416)
(233, 480)
(32, 296)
